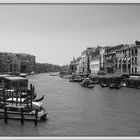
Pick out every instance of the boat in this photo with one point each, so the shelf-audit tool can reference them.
(123, 84)
(24, 94)
(14, 105)
(42, 115)
(71, 80)
(87, 83)
(40, 99)
(91, 86)
(54, 74)
(103, 85)
(76, 79)
(118, 86)
(112, 86)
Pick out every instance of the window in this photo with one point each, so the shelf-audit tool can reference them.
(129, 52)
(136, 51)
(132, 52)
(132, 60)
(132, 69)
(135, 70)
(120, 60)
(135, 60)
(119, 65)
(128, 66)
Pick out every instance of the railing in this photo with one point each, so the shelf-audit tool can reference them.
(19, 116)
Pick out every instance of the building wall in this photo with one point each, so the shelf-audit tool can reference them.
(12, 62)
(135, 60)
(128, 60)
(95, 66)
(110, 60)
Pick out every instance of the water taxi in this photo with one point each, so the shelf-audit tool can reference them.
(87, 83)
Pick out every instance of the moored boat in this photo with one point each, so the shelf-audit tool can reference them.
(13, 108)
(87, 83)
(118, 86)
(91, 86)
(112, 86)
(103, 85)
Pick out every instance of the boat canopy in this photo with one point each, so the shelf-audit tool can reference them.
(15, 78)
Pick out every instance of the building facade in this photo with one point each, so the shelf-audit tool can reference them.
(15, 63)
(128, 60)
(95, 61)
(110, 58)
(85, 60)
(73, 66)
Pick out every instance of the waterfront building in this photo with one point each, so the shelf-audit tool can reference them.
(27, 62)
(73, 66)
(9, 62)
(78, 70)
(128, 60)
(110, 57)
(95, 61)
(85, 60)
(15, 63)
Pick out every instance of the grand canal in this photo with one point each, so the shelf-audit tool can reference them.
(77, 111)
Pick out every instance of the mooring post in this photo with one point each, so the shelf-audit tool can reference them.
(36, 116)
(22, 116)
(12, 98)
(33, 92)
(20, 97)
(5, 114)
(16, 98)
(31, 86)
(31, 102)
(4, 97)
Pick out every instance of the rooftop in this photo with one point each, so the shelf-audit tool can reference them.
(15, 78)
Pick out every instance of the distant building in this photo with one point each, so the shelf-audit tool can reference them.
(13, 62)
(85, 60)
(128, 60)
(95, 61)
(27, 62)
(73, 66)
(110, 57)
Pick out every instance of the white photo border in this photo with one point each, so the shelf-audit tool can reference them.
(70, 2)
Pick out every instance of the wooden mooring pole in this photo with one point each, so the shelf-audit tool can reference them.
(5, 115)
(22, 116)
(36, 116)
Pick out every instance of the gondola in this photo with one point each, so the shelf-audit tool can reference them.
(40, 99)
(103, 85)
(118, 86)
(91, 86)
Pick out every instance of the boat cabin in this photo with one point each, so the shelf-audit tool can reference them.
(16, 83)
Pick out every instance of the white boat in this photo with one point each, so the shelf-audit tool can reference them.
(15, 105)
(42, 114)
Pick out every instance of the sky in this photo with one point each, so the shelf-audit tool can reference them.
(55, 33)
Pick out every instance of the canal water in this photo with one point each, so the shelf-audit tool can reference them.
(77, 111)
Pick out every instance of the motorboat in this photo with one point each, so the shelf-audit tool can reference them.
(103, 85)
(87, 83)
(27, 109)
(112, 86)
